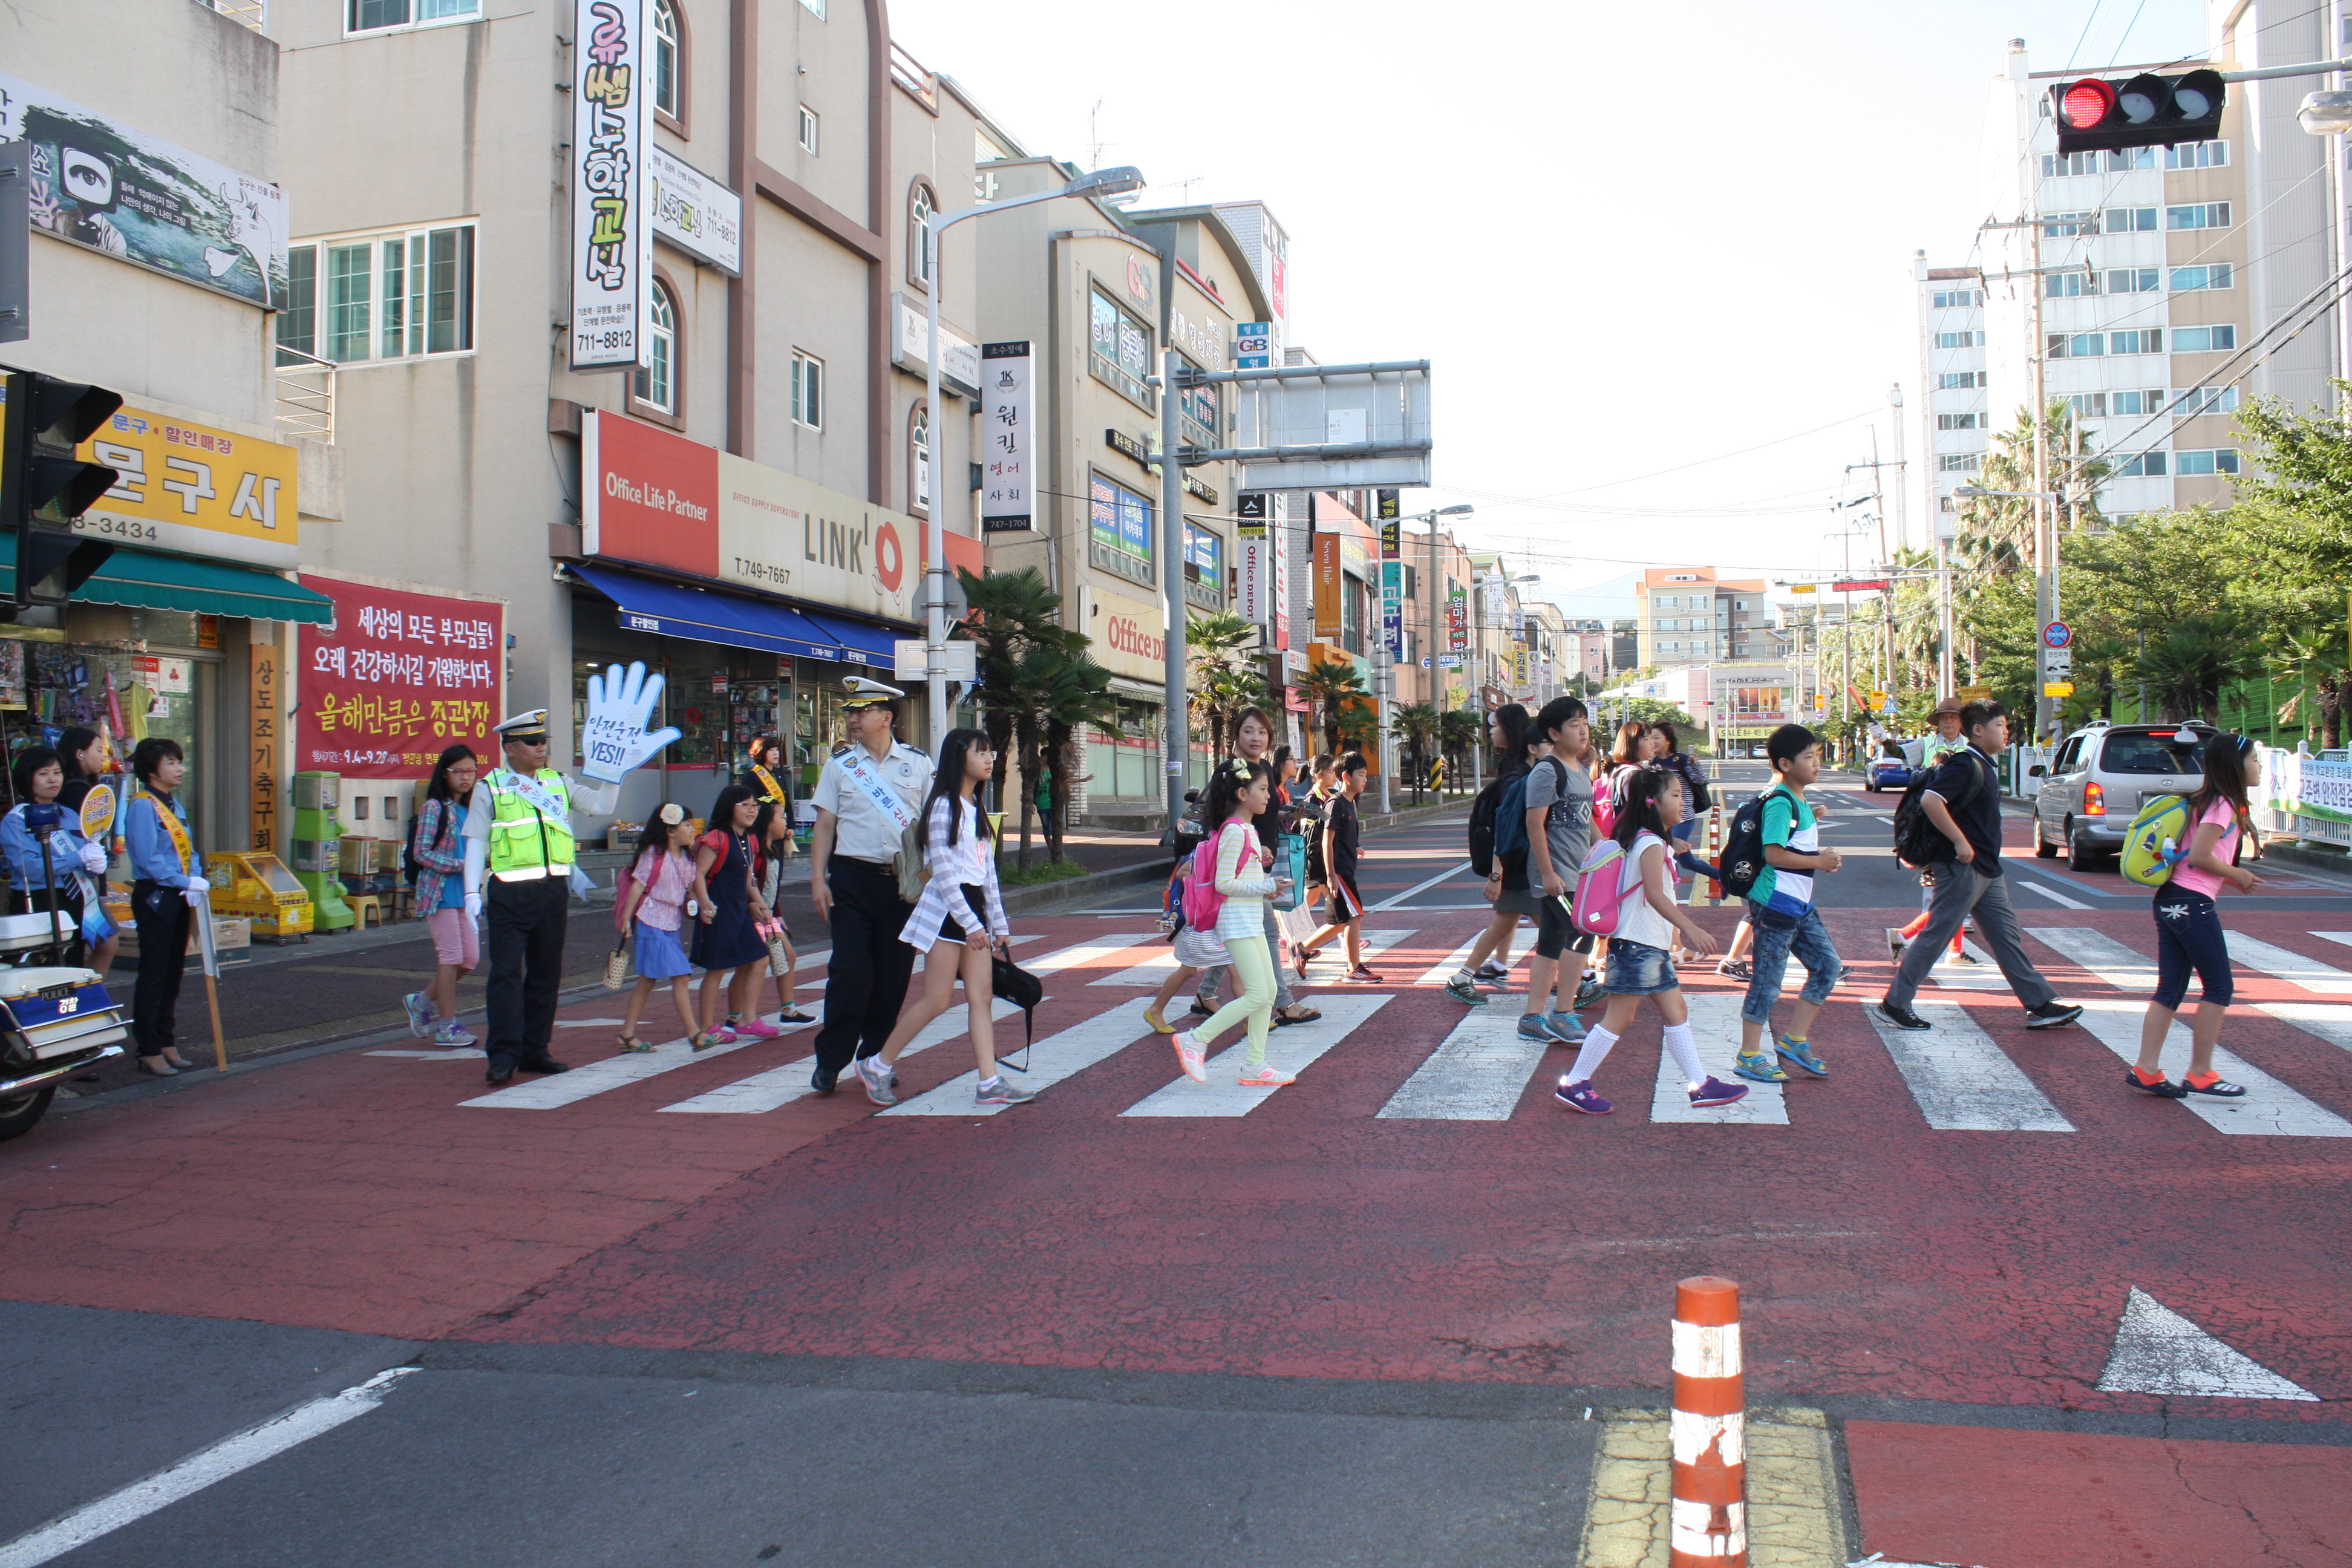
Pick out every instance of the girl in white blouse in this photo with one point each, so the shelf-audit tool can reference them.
(1237, 793)
(959, 919)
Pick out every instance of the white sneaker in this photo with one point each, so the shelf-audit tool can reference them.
(1189, 1056)
(875, 1074)
(1266, 1075)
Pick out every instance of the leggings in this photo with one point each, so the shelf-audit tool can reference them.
(2189, 936)
(1253, 966)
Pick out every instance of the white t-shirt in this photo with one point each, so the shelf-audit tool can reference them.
(1636, 921)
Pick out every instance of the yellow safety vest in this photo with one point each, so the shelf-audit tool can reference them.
(523, 837)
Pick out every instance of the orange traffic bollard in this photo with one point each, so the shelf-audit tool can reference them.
(1709, 1429)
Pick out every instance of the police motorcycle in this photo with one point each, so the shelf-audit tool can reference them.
(57, 1019)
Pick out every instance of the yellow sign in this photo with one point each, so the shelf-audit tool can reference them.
(1975, 693)
(192, 488)
(1800, 587)
(1878, 700)
(2058, 688)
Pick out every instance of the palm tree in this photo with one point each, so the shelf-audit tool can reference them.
(1332, 685)
(1012, 615)
(1224, 682)
(1415, 725)
(1077, 692)
(2190, 664)
(1997, 532)
(1458, 731)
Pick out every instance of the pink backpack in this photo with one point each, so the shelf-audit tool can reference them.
(1203, 902)
(622, 880)
(1608, 874)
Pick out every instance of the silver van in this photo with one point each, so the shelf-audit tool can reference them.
(2095, 786)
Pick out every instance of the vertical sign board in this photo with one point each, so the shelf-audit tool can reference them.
(1328, 587)
(1277, 539)
(1253, 345)
(1253, 573)
(268, 711)
(1392, 607)
(611, 231)
(1007, 498)
(1457, 618)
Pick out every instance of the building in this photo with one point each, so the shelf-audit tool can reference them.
(1685, 615)
(158, 254)
(1955, 414)
(743, 512)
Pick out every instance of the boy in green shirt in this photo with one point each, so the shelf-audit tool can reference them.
(1780, 907)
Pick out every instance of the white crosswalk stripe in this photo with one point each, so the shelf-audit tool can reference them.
(779, 1086)
(2247, 952)
(1478, 1072)
(1714, 1024)
(2269, 1108)
(1050, 1061)
(1087, 952)
(1293, 1050)
(1961, 1079)
(596, 1077)
(1444, 972)
(1157, 967)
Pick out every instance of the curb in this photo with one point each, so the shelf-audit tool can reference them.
(2287, 852)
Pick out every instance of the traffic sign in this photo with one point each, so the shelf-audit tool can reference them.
(2058, 688)
(2056, 635)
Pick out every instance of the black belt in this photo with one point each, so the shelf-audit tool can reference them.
(882, 866)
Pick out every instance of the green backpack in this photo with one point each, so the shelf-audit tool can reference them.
(2157, 841)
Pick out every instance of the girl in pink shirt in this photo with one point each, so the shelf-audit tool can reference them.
(2188, 926)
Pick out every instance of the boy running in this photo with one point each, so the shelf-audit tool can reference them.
(1780, 907)
(1560, 834)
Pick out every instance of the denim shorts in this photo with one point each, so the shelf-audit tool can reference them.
(1637, 969)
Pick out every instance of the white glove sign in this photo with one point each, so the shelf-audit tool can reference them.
(615, 739)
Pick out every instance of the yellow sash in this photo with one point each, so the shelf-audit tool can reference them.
(768, 780)
(172, 825)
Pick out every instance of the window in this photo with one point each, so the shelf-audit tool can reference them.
(2123, 403)
(808, 390)
(919, 460)
(375, 15)
(1959, 340)
(2198, 155)
(2222, 460)
(2131, 281)
(2054, 166)
(920, 209)
(1959, 462)
(1121, 533)
(1949, 299)
(1670, 648)
(1204, 569)
(1959, 380)
(2130, 220)
(2065, 226)
(2147, 341)
(814, 8)
(808, 129)
(2199, 340)
(2201, 215)
(1670, 602)
(387, 296)
(1956, 421)
(656, 383)
(2137, 465)
(2077, 346)
(668, 96)
(2216, 275)
(2070, 285)
(2088, 404)
(1196, 412)
(2123, 158)
(2200, 400)
(1119, 349)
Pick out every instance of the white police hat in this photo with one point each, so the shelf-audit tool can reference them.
(865, 693)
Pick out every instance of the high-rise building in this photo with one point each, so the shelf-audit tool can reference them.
(1685, 615)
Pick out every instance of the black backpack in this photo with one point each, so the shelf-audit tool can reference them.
(1482, 825)
(1917, 841)
(1743, 845)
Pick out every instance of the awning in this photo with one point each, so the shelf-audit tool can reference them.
(145, 580)
(709, 615)
(860, 643)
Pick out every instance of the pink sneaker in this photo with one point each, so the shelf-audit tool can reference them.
(758, 1029)
(1189, 1056)
(1265, 1075)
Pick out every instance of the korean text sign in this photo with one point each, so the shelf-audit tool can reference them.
(1007, 499)
(398, 676)
(611, 231)
(192, 488)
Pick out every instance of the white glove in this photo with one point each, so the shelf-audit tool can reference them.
(473, 909)
(93, 858)
(615, 739)
(196, 895)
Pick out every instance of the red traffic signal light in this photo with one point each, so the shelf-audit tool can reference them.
(2145, 110)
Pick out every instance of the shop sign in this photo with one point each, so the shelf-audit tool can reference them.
(1126, 446)
(1205, 341)
(695, 212)
(659, 500)
(1142, 280)
(910, 347)
(1200, 492)
(1327, 587)
(1387, 505)
(1279, 536)
(1391, 537)
(1254, 593)
(398, 676)
(1249, 515)
(612, 242)
(262, 670)
(1392, 607)
(97, 182)
(1129, 637)
(1007, 440)
(159, 673)
(1457, 618)
(1253, 345)
(192, 488)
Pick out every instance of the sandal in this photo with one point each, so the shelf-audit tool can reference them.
(630, 1043)
(1303, 1015)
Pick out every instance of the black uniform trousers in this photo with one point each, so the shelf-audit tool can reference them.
(866, 979)
(162, 917)
(527, 921)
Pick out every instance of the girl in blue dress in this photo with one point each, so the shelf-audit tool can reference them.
(727, 936)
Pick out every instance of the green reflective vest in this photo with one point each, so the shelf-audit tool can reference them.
(523, 837)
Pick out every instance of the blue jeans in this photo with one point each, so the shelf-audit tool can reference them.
(2189, 936)
(1777, 936)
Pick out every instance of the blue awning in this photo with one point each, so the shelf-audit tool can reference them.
(709, 615)
(860, 643)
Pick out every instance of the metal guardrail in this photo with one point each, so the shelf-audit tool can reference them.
(305, 390)
(254, 13)
(908, 73)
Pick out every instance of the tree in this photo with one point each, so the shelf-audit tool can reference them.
(1332, 685)
(1012, 615)
(1076, 692)
(1458, 730)
(1224, 680)
(2190, 662)
(1997, 532)
(1414, 727)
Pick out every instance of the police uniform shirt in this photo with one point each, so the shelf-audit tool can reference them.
(865, 831)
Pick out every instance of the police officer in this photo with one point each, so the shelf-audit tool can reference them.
(867, 796)
(520, 867)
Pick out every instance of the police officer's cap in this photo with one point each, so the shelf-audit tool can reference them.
(529, 729)
(865, 693)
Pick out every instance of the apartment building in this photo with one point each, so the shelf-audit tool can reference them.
(1685, 615)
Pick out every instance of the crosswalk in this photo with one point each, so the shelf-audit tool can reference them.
(1958, 1076)
(1159, 965)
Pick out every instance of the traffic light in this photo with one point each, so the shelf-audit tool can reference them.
(44, 487)
(2146, 110)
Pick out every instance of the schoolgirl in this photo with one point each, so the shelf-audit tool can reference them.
(437, 845)
(772, 831)
(662, 879)
(727, 940)
(1239, 792)
(2188, 927)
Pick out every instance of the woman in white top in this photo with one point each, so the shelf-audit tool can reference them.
(959, 920)
(1238, 792)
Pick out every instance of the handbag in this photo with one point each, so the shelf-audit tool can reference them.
(617, 968)
(908, 864)
(780, 960)
(1023, 990)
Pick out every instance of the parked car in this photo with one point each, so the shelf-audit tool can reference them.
(1885, 772)
(2101, 777)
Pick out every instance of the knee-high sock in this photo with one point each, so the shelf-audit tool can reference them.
(1686, 1053)
(1596, 1041)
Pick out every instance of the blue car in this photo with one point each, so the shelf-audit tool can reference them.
(1888, 773)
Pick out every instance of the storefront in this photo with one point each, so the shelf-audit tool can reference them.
(1124, 777)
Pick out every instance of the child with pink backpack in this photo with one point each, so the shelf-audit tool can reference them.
(1230, 901)
(1622, 893)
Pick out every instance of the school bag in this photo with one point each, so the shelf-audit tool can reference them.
(2157, 840)
(1602, 884)
(1742, 860)
(1511, 825)
(1202, 901)
(1917, 840)
(1604, 804)
(1482, 826)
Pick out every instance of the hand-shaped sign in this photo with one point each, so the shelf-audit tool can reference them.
(615, 739)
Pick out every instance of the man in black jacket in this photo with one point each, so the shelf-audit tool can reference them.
(1963, 801)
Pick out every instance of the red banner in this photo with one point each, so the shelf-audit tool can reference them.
(398, 678)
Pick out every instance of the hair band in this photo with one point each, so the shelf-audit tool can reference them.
(671, 814)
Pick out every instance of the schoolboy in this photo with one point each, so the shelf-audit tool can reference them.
(1341, 845)
(1560, 834)
(1780, 907)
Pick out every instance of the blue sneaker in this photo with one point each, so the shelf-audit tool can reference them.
(1566, 1028)
(1801, 1053)
(1715, 1093)
(1760, 1068)
(1535, 1027)
(1462, 991)
(420, 1013)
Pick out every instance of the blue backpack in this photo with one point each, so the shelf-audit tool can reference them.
(1511, 825)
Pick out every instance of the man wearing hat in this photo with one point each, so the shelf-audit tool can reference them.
(869, 792)
(521, 869)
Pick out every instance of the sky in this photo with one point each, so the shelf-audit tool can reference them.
(1660, 258)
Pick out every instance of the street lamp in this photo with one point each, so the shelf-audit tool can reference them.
(1384, 661)
(1100, 183)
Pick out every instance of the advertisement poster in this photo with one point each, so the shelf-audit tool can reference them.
(1458, 619)
(612, 240)
(1328, 587)
(192, 488)
(1006, 498)
(99, 182)
(398, 676)
(695, 212)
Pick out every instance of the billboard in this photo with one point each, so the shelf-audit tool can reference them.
(1329, 587)
(612, 237)
(396, 677)
(98, 182)
(192, 488)
(695, 212)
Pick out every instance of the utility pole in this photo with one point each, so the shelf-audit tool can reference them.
(1171, 576)
(1902, 476)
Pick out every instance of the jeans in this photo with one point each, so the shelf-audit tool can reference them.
(1961, 892)
(1778, 935)
(2189, 936)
